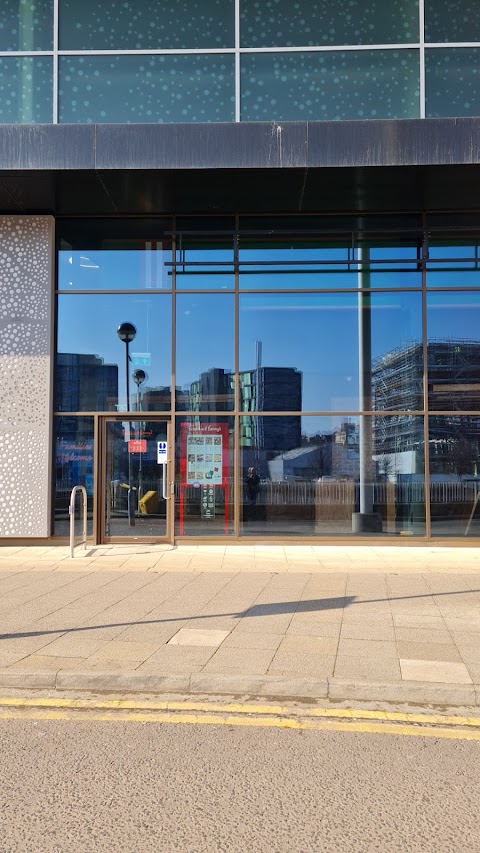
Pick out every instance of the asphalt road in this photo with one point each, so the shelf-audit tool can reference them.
(136, 787)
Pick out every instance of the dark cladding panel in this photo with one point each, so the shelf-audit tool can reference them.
(241, 146)
(394, 143)
(202, 146)
(46, 146)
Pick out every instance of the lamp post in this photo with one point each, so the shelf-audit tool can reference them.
(126, 332)
(139, 377)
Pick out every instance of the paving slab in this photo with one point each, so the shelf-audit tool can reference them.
(266, 620)
(447, 672)
(194, 637)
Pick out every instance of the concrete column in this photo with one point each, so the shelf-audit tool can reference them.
(26, 354)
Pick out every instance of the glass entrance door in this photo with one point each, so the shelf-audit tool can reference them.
(136, 479)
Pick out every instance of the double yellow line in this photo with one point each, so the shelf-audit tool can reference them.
(238, 714)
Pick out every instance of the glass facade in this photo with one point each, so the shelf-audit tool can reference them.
(133, 25)
(331, 85)
(188, 61)
(320, 22)
(25, 89)
(305, 374)
(144, 89)
(73, 466)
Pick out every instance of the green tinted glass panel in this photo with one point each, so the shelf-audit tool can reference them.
(146, 24)
(25, 90)
(453, 82)
(452, 20)
(26, 25)
(332, 85)
(146, 89)
(281, 23)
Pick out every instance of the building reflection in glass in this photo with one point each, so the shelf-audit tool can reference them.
(312, 485)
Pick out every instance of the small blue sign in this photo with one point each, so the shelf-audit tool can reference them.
(162, 452)
(141, 359)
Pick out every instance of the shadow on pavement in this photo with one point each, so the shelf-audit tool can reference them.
(272, 609)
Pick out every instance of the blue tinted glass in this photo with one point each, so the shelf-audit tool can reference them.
(452, 81)
(204, 265)
(205, 352)
(26, 25)
(321, 22)
(331, 85)
(146, 24)
(116, 270)
(454, 447)
(306, 264)
(304, 476)
(73, 467)
(302, 352)
(453, 334)
(91, 358)
(453, 264)
(452, 20)
(146, 89)
(25, 90)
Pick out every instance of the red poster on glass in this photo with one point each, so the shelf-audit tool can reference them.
(137, 445)
(203, 461)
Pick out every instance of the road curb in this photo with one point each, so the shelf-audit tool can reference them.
(272, 686)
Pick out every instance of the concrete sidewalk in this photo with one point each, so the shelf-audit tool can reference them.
(365, 623)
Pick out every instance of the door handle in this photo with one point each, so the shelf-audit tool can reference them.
(164, 483)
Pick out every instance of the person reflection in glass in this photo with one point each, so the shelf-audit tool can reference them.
(252, 488)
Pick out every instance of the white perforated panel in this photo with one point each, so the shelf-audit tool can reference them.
(26, 293)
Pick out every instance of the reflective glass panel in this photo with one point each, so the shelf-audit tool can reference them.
(204, 476)
(91, 366)
(73, 467)
(205, 352)
(126, 268)
(302, 264)
(26, 90)
(304, 352)
(204, 264)
(26, 25)
(146, 89)
(451, 20)
(304, 476)
(454, 448)
(332, 85)
(321, 22)
(453, 329)
(146, 24)
(453, 263)
(452, 85)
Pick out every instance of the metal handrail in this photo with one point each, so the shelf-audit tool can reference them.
(71, 512)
